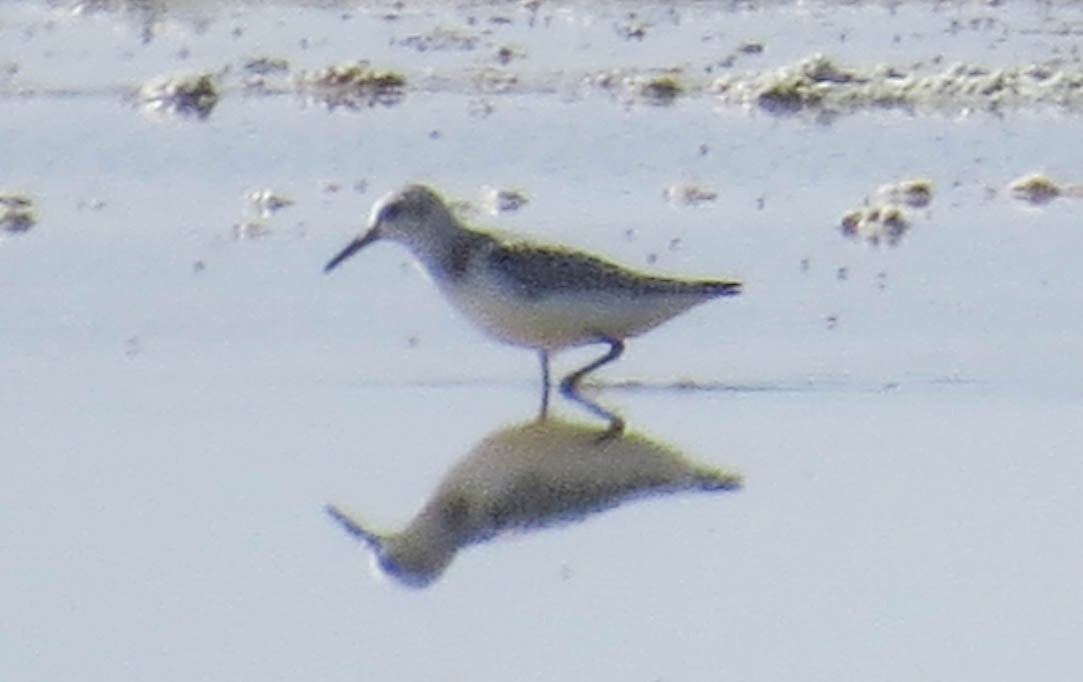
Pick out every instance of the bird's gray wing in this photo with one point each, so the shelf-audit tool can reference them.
(537, 272)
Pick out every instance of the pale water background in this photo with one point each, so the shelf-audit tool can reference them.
(178, 405)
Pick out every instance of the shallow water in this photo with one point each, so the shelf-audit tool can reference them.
(181, 404)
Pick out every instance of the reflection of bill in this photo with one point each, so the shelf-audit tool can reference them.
(530, 476)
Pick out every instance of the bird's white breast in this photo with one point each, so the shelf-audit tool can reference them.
(569, 318)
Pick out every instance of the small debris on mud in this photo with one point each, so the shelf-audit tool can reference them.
(265, 66)
(93, 204)
(191, 95)
(750, 47)
(260, 74)
(266, 202)
(492, 81)
(495, 200)
(17, 213)
(508, 53)
(476, 108)
(633, 30)
(251, 229)
(440, 38)
(688, 194)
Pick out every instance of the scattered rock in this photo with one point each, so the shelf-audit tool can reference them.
(1034, 188)
(1039, 189)
(884, 217)
(187, 95)
(876, 224)
(916, 193)
(663, 90)
(353, 85)
(819, 85)
(789, 95)
(17, 213)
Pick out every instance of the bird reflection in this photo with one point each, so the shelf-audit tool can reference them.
(616, 423)
(529, 476)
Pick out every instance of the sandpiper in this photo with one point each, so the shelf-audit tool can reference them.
(525, 294)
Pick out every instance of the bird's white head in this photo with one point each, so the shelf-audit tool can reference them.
(415, 216)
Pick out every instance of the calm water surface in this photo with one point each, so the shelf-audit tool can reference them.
(180, 404)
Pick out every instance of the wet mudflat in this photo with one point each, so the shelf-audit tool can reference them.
(185, 390)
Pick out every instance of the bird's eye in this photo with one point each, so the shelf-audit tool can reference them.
(389, 212)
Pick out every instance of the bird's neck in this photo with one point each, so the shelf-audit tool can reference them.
(447, 254)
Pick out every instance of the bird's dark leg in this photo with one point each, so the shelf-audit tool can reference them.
(570, 386)
(544, 355)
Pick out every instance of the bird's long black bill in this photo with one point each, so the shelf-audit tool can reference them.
(351, 526)
(351, 248)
